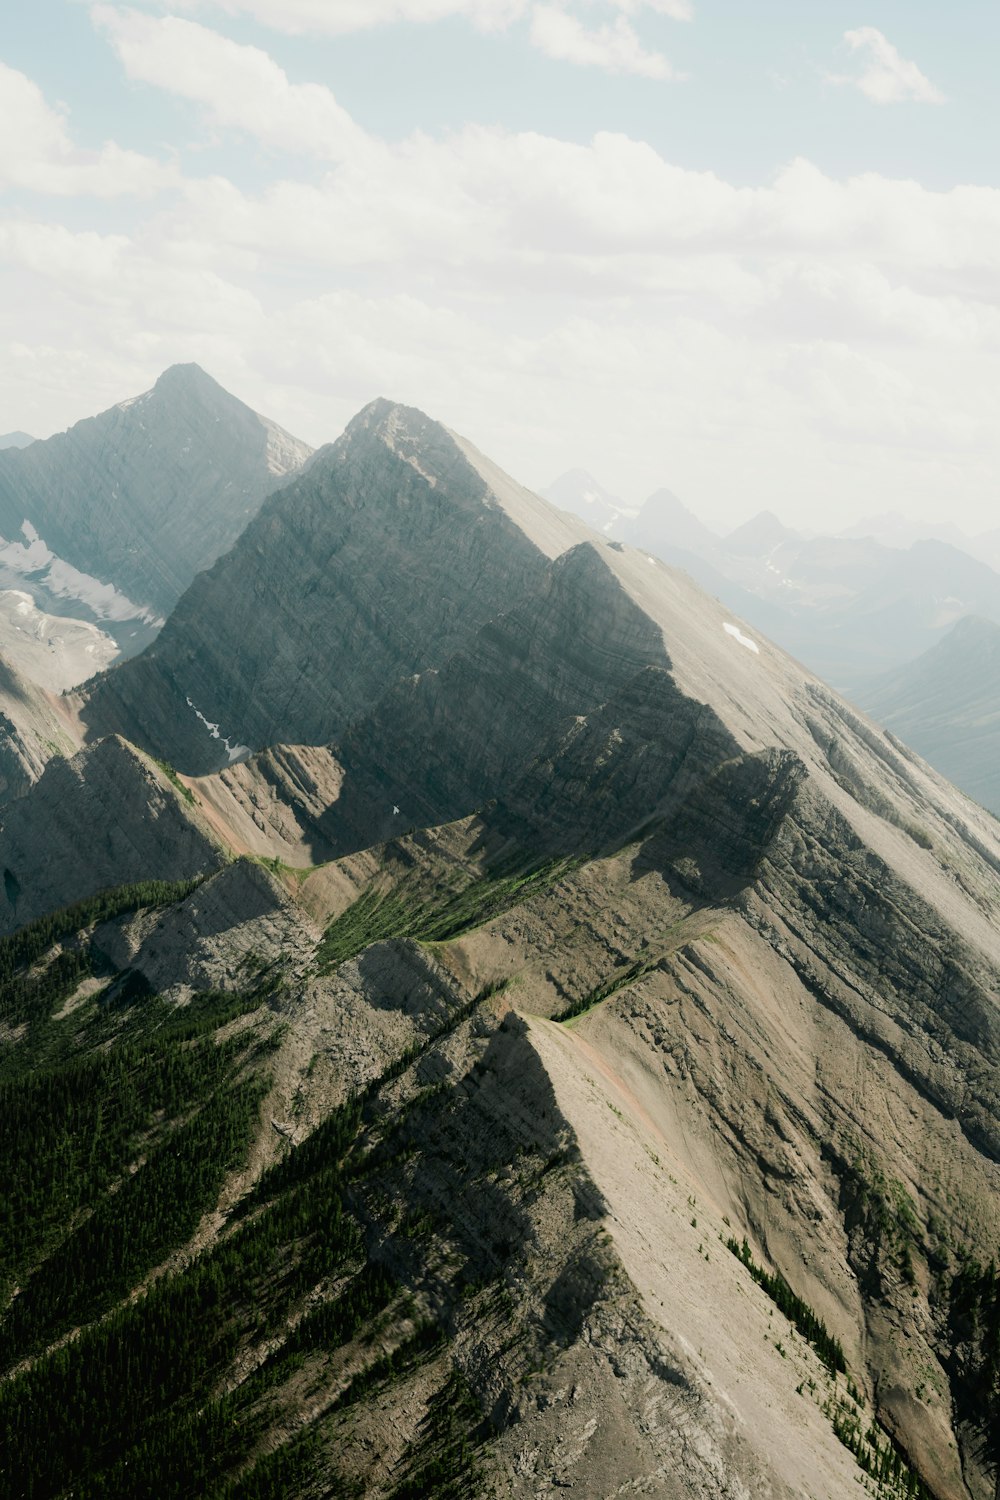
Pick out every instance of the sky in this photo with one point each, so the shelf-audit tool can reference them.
(749, 252)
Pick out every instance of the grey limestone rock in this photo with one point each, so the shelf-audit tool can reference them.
(149, 492)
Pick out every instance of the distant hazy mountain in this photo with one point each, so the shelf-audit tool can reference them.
(15, 440)
(760, 535)
(665, 526)
(849, 607)
(946, 704)
(987, 548)
(119, 513)
(895, 530)
(579, 492)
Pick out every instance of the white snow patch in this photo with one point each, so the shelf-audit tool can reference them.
(235, 752)
(56, 652)
(652, 564)
(34, 556)
(133, 401)
(744, 640)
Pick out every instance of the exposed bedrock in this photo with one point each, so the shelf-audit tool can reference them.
(372, 565)
(107, 817)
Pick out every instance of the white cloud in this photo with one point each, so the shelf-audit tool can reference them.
(339, 17)
(563, 303)
(613, 46)
(240, 86)
(888, 78)
(37, 152)
(555, 28)
(677, 10)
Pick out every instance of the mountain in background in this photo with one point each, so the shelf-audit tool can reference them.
(946, 704)
(850, 607)
(114, 517)
(579, 492)
(664, 524)
(760, 536)
(15, 439)
(893, 529)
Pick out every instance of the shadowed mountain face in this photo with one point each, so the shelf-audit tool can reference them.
(375, 563)
(141, 497)
(614, 1107)
(946, 704)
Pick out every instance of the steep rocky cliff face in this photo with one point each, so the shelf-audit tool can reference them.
(618, 1114)
(106, 817)
(34, 726)
(376, 563)
(143, 496)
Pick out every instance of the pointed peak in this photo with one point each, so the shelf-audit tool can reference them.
(665, 504)
(762, 532)
(178, 384)
(973, 628)
(392, 420)
(185, 376)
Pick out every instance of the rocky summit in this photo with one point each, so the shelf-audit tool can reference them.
(120, 512)
(480, 1020)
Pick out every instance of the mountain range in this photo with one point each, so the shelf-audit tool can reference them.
(480, 1019)
(850, 606)
(946, 704)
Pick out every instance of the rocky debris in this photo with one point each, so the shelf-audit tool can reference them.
(234, 928)
(52, 652)
(270, 805)
(34, 726)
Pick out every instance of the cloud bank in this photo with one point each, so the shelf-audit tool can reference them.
(810, 341)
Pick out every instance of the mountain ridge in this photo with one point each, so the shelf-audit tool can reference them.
(575, 940)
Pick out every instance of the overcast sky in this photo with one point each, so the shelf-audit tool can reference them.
(749, 252)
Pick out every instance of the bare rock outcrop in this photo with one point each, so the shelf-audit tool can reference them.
(106, 817)
(374, 564)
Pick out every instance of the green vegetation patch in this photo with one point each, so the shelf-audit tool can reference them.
(443, 1462)
(406, 912)
(175, 781)
(973, 1307)
(612, 986)
(28, 945)
(798, 1313)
